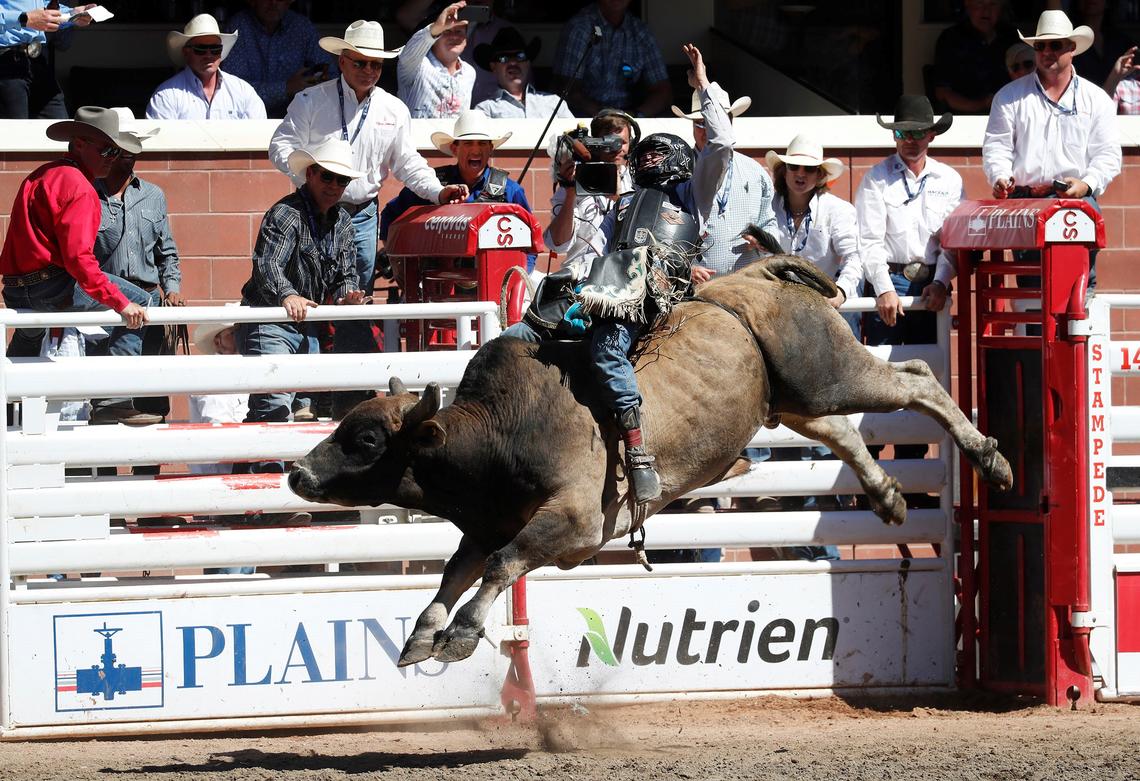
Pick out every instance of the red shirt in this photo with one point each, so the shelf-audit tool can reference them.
(55, 219)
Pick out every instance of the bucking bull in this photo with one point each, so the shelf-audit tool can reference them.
(527, 463)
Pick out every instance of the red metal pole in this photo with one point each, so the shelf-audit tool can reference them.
(518, 695)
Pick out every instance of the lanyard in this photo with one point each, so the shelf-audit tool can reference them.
(1065, 112)
(324, 245)
(363, 113)
(790, 224)
(912, 197)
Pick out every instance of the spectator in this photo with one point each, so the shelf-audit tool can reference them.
(134, 243)
(743, 198)
(305, 253)
(47, 260)
(199, 91)
(1019, 60)
(1047, 128)
(381, 144)
(625, 69)
(471, 144)
(216, 408)
(1109, 59)
(969, 58)
(434, 80)
(276, 52)
(577, 231)
(28, 87)
(901, 204)
(509, 58)
(1127, 95)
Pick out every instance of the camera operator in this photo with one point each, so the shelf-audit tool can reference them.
(577, 229)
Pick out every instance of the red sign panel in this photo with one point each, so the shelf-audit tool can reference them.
(453, 230)
(1023, 223)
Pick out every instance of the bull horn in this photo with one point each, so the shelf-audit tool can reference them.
(425, 408)
(396, 386)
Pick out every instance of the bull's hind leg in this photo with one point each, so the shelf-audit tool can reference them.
(462, 569)
(836, 431)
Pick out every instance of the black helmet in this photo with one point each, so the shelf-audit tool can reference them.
(675, 167)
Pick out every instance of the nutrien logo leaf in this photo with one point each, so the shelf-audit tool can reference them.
(596, 634)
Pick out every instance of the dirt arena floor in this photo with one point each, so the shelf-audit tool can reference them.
(922, 739)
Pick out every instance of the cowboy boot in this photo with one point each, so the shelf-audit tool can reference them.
(642, 476)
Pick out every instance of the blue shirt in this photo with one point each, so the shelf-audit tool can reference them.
(11, 33)
(450, 173)
(134, 240)
(267, 61)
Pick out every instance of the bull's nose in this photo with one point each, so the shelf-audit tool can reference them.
(302, 482)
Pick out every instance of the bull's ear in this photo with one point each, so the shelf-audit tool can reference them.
(430, 434)
(396, 386)
(425, 408)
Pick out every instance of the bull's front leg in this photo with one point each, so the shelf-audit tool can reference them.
(462, 569)
(548, 536)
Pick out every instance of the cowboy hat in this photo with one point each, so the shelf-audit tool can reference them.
(127, 124)
(105, 123)
(204, 337)
(364, 38)
(735, 109)
(1055, 26)
(200, 26)
(471, 125)
(914, 112)
(805, 150)
(506, 41)
(333, 154)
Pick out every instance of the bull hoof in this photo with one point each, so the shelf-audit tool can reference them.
(890, 506)
(455, 645)
(417, 649)
(993, 467)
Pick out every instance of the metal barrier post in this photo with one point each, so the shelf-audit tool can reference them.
(5, 552)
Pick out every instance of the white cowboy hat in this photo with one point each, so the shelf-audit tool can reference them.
(127, 124)
(364, 38)
(471, 125)
(805, 150)
(201, 25)
(204, 337)
(1055, 26)
(735, 109)
(333, 154)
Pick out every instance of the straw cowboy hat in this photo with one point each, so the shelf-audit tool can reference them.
(200, 26)
(471, 125)
(333, 154)
(204, 337)
(127, 124)
(105, 123)
(364, 38)
(914, 112)
(506, 41)
(735, 109)
(1055, 26)
(805, 150)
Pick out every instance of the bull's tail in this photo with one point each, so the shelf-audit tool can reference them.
(792, 268)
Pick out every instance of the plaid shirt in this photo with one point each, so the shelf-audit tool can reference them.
(287, 261)
(1127, 96)
(626, 56)
(429, 89)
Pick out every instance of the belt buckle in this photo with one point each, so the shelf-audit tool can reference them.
(33, 49)
(916, 271)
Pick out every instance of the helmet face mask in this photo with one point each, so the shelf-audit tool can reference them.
(662, 160)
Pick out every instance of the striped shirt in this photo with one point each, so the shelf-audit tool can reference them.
(744, 196)
(1127, 96)
(428, 88)
(134, 240)
(287, 261)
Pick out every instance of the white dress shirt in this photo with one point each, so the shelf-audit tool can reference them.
(1033, 140)
(427, 87)
(900, 218)
(182, 97)
(382, 147)
(828, 236)
(538, 105)
(744, 196)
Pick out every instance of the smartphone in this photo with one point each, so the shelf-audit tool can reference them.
(1060, 186)
(475, 14)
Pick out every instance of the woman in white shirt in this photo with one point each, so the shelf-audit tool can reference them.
(813, 223)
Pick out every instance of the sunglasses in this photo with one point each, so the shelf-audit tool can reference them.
(913, 135)
(109, 152)
(205, 48)
(328, 177)
(365, 65)
(1024, 65)
(795, 168)
(516, 56)
(1053, 46)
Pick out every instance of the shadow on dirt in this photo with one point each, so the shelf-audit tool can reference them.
(370, 762)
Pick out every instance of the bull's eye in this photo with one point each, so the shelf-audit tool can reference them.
(367, 441)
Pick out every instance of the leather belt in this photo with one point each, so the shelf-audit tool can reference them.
(23, 280)
(354, 209)
(29, 50)
(915, 271)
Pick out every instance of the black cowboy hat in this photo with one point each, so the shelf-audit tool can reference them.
(507, 41)
(914, 112)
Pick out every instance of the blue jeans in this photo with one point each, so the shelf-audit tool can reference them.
(273, 339)
(124, 341)
(355, 336)
(61, 294)
(610, 342)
